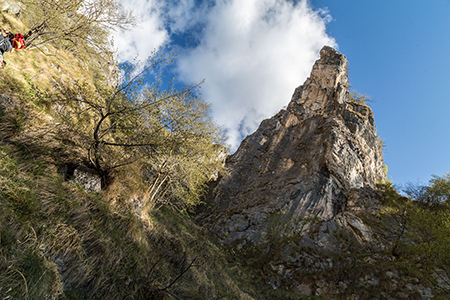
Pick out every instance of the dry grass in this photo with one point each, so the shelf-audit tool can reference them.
(58, 242)
(42, 65)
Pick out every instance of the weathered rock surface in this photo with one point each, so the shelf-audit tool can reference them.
(88, 178)
(11, 6)
(306, 161)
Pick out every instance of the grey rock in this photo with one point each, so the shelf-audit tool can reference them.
(237, 223)
(304, 162)
(274, 283)
(137, 204)
(391, 274)
(326, 237)
(402, 295)
(306, 241)
(372, 280)
(303, 289)
(385, 296)
(88, 178)
(360, 230)
(7, 102)
(11, 6)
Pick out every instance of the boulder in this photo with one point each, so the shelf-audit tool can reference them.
(11, 7)
(88, 178)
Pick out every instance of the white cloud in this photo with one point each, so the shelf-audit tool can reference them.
(181, 15)
(157, 20)
(150, 34)
(252, 53)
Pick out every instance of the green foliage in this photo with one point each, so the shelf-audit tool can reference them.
(359, 98)
(381, 144)
(430, 230)
(394, 214)
(430, 239)
(422, 230)
(437, 192)
(79, 26)
(189, 153)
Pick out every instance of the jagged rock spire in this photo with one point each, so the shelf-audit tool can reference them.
(305, 161)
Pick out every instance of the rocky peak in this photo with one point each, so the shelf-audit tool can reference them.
(328, 76)
(331, 69)
(306, 161)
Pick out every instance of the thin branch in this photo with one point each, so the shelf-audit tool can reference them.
(128, 145)
(171, 294)
(179, 276)
(124, 164)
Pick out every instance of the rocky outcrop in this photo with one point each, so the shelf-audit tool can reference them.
(88, 178)
(299, 202)
(11, 6)
(304, 162)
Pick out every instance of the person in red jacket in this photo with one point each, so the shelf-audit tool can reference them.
(8, 43)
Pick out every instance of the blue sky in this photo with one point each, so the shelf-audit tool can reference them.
(254, 53)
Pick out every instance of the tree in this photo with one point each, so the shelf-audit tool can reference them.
(77, 25)
(360, 98)
(193, 152)
(395, 216)
(422, 230)
(437, 192)
(429, 244)
(169, 132)
(429, 234)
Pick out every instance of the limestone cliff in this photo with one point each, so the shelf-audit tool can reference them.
(306, 161)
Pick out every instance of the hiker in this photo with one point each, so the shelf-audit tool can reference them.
(8, 43)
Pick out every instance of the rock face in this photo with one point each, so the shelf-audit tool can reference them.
(306, 161)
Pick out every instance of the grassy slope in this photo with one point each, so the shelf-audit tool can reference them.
(56, 241)
(54, 234)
